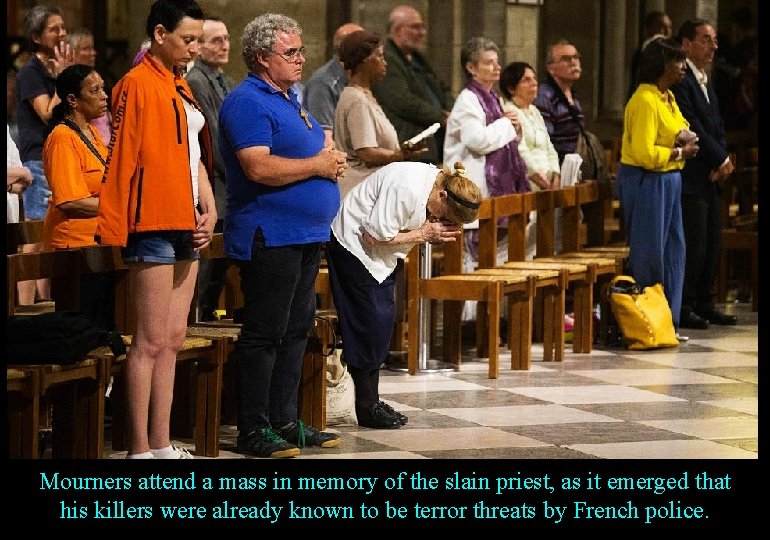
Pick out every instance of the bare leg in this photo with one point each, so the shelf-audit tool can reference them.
(162, 302)
(29, 289)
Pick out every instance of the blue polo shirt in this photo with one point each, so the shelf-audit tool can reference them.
(256, 114)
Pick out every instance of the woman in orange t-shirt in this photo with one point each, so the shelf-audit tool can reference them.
(74, 155)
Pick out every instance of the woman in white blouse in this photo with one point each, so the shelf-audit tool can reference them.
(485, 138)
(518, 85)
(378, 223)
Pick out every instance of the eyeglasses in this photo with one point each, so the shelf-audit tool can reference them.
(416, 26)
(292, 54)
(567, 58)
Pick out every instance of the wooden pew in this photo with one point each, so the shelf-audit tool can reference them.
(24, 232)
(75, 392)
(550, 288)
(605, 265)
(455, 287)
(23, 387)
(578, 276)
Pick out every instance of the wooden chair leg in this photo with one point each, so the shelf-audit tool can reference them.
(520, 331)
(452, 331)
(582, 341)
(23, 413)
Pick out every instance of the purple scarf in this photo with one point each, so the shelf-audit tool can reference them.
(504, 168)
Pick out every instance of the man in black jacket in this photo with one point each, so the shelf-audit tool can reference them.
(411, 94)
(701, 198)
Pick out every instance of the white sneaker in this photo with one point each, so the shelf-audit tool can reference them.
(143, 455)
(172, 451)
(681, 338)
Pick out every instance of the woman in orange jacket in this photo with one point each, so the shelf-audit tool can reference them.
(157, 202)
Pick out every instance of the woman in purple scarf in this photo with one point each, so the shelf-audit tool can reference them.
(483, 137)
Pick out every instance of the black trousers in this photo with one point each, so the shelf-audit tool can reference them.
(702, 221)
(278, 286)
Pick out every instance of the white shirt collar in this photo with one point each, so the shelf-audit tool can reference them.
(700, 75)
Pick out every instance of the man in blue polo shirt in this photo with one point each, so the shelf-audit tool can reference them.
(282, 195)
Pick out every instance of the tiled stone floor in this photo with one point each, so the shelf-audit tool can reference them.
(699, 400)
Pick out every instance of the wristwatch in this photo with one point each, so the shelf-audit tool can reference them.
(678, 156)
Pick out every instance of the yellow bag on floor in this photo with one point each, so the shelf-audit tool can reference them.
(643, 315)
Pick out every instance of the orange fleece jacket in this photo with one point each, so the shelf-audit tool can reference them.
(147, 185)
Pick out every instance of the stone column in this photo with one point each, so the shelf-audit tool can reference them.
(614, 71)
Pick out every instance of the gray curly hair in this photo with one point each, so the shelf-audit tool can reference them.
(259, 37)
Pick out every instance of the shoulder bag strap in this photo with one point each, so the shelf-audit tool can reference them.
(70, 124)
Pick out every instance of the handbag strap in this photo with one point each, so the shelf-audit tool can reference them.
(618, 278)
(74, 127)
(622, 285)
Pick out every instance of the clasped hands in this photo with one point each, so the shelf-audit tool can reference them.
(438, 231)
(688, 141)
(204, 230)
(546, 180)
(19, 179)
(334, 162)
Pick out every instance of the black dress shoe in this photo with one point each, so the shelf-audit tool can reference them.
(715, 317)
(393, 412)
(377, 417)
(693, 320)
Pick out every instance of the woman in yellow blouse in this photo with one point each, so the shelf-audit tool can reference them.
(73, 158)
(656, 142)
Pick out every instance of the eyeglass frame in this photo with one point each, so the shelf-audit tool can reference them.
(567, 58)
(292, 55)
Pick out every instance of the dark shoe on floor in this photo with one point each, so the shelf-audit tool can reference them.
(377, 417)
(401, 417)
(693, 320)
(723, 319)
(265, 442)
(297, 433)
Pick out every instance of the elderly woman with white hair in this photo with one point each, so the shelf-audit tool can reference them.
(481, 135)
(381, 219)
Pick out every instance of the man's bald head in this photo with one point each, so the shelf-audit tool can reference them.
(400, 15)
(406, 29)
(342, 32)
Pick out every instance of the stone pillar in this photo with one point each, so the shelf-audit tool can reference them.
(521, 36)
(614, 71)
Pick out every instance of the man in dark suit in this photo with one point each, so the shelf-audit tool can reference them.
(701, 204)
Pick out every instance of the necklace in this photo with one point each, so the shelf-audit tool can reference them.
(302, 114)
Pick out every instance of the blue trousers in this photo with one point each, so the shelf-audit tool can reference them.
(366, 309)
(652, 210)
(278, 286)
(36, 195)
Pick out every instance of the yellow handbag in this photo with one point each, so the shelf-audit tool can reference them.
(643, 315)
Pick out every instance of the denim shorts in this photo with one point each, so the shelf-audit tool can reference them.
(163, 247)
(36, 195)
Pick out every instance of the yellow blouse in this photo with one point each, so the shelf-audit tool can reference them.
(650, 125)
